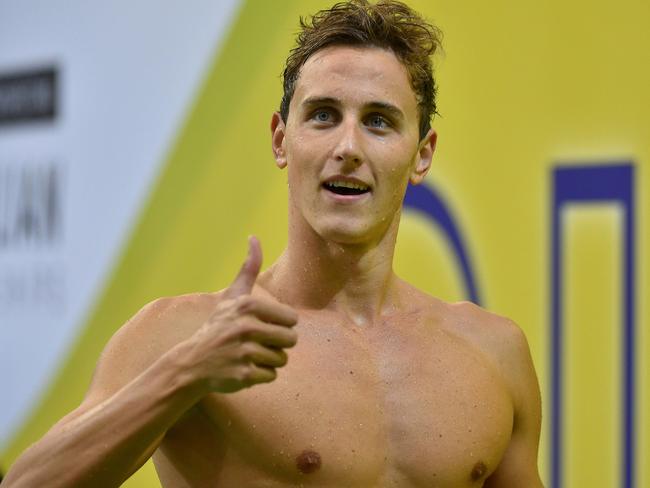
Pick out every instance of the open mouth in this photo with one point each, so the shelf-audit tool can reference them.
(346, 188)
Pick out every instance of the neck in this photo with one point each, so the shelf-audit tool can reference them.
(355, 280)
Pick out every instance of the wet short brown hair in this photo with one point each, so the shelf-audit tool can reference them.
(388, 24)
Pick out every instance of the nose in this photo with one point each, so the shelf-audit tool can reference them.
(348, 146)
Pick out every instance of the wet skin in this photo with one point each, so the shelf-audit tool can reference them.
(418, 399)
(354, 114)
(384, 385)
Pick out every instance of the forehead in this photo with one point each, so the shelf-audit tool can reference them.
(356, 74)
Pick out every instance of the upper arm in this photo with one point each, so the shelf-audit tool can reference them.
(148, 335)
(518, 467)
(132, 349)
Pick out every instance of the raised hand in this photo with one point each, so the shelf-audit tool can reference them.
(243, 341)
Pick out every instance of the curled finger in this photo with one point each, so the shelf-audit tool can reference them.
(271, 335)
(260, 355)
(259, 374)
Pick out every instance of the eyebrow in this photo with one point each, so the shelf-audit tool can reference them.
(374, 105)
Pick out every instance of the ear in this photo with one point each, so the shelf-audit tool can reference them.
(277, 140)
(423, 159)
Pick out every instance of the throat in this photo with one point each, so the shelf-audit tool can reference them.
(356, 279)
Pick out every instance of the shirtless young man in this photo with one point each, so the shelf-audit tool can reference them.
(385, 385)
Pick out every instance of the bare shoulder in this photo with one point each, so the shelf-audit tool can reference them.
(499, 339)
(492, 333)
(497, 336)
(150, 333)
(504, 344)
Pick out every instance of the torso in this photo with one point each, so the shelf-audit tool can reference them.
(414, 401)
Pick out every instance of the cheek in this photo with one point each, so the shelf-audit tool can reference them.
(301, 178)
(396, 174)
(395, 180)
(304, 161)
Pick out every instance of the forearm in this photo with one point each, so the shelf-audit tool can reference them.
(102, 446)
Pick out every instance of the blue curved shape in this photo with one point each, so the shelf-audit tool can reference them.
(425, 200)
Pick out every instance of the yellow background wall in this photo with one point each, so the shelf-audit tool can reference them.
(524, 86)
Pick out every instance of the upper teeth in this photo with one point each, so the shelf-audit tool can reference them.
(348, 184)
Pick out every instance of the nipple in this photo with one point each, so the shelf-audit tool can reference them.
(478, 471)
(308, 461)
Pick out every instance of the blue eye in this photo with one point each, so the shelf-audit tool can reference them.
(322, 116)
(377, 122)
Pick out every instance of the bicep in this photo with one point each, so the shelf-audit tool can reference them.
(518, 467)
(121, 361)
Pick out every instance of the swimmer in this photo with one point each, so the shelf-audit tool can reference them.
(326, 369)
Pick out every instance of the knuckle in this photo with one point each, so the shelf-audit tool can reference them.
(244, 304)
(245, 374)
(226, 336)
(247, 351)
(224, 304)
(244, 330)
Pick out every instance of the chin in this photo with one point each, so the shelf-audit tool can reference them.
(347, 233)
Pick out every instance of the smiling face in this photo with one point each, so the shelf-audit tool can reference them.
(351, 143)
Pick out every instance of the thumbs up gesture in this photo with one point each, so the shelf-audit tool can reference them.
(243, 341)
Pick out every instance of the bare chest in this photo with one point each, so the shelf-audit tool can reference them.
(358, 408)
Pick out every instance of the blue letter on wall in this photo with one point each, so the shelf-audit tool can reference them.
(585, 185)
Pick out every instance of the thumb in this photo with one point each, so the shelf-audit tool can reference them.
(243, 283)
